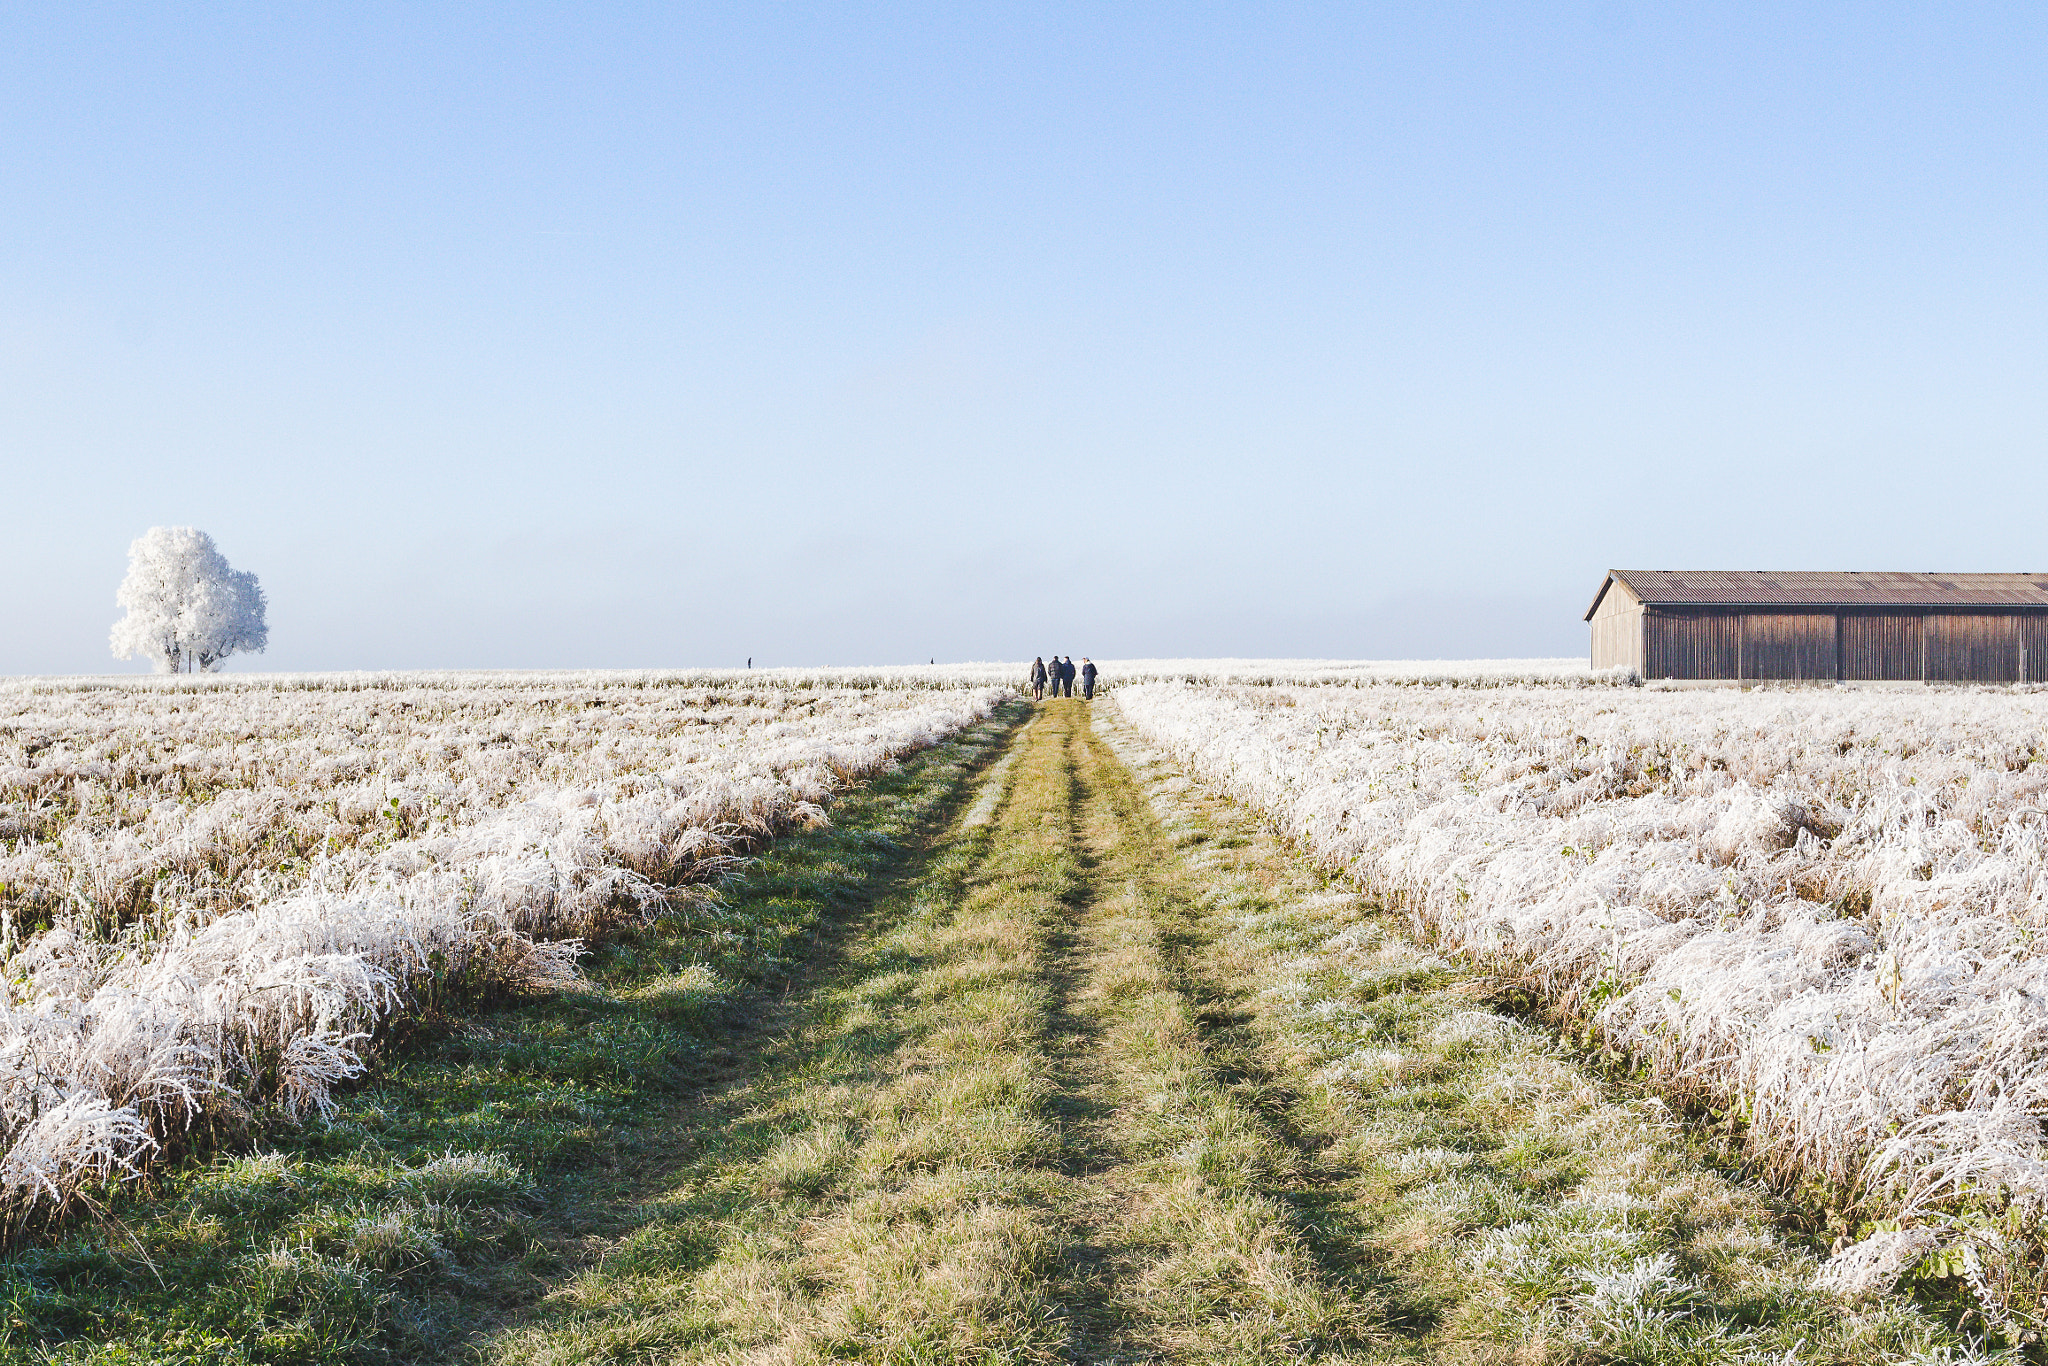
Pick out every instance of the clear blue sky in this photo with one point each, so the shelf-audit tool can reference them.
(614, 335)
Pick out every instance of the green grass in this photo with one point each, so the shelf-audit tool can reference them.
(883, 1189)
(997, 1137)
(1046, 1059)
(484, 1161)
(1517, 1209)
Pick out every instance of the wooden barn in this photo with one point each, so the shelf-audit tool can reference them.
(1930, 628)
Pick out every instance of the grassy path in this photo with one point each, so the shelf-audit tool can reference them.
(1041, 1056)
(1516, 1209)
(998, 1136)
(1112, 1078)
(493, 1154)
(1191, 1250)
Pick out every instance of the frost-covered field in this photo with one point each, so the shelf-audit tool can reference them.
(214, 888)
(1471, 673)
(913, 676)
(980, 674)
(1820, 911)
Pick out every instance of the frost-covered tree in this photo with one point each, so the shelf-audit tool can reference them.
(185, 602)
(225, 615)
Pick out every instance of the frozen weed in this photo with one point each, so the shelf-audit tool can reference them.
(1523, 1206)
(1811, 912)
(236, 901)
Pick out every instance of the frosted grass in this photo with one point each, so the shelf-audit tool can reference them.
(1821, 910)
(975, 674)
(214, 895)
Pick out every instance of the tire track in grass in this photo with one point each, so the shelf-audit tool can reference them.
(992, 1137)
(492, 1157)
(1194, 1251)
(1518, 1212)
(1112, 1078)
(882, 1189)
(1082, 1103)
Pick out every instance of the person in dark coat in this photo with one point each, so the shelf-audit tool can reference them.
(1087, 676)
(1067, 676)
(1038, 679)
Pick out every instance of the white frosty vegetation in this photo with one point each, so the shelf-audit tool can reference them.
(1547, 1217)
(212, 899)
(1817, 912)
(1465, 673)
(184, 602)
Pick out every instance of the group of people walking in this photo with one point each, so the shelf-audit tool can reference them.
(1060, 675)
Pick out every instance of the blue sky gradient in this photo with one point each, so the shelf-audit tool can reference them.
(646, 336)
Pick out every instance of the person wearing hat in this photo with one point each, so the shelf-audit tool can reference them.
(1087, 677)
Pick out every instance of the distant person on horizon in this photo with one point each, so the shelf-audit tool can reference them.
(1087, 678)
(1038, 679)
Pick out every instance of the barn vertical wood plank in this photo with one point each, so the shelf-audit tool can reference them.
(1801, 626)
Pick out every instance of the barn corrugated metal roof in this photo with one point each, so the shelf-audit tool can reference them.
(1805, 588)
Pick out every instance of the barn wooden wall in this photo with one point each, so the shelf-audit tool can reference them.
(1884, 646)
(1795, 645)
(1618, 631)
(1707, 645)
(1973, 649)
(1937, 647)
